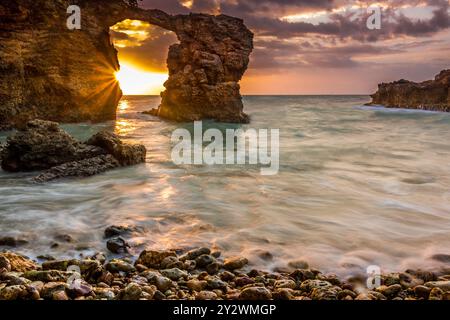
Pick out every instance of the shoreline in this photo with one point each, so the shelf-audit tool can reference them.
(199, 274)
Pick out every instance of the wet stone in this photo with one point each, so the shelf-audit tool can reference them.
(194, 254)
(117, 245)
(204, 260)
(255, 293)
(235, 263)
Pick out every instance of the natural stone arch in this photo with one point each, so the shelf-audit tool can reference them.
(53, 73)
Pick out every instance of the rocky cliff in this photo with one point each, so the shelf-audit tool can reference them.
(50, 72)
(431, 95)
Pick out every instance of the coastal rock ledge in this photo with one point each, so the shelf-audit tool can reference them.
(43, 145)
(432, 95)
(52, 73)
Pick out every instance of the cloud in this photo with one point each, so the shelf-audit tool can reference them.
(321, 34)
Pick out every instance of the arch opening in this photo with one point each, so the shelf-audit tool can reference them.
(142, 54)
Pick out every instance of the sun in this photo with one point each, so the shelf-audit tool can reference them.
(134, 81)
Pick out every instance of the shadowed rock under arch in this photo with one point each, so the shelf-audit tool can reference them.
(50, 72)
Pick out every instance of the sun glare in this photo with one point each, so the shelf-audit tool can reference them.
(134, 81)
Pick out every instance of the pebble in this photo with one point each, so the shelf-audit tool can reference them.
(153, 259)
(204, 260)
(206, 295)
(235, 263)
(131, 292)
(60, 295)
(213, 268)
(289, 284)
(422, 292)
(171, 262)
(117, 265)
(283, 294)
(163, 283)
(5, 264)
(255, 293)
(12, 292)
(174, 274)
(243, 281)
(216, 284)
(194, 254)
(197, 285)
(436, 294)
(160, 275)
(443, 285)
(390, 291)
(117, 245)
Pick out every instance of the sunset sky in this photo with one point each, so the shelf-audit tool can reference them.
(310, 46)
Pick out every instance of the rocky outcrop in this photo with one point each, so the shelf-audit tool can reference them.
(126, 154)
(42, 145)
(82, 168)
(431, 95)
(50, 72)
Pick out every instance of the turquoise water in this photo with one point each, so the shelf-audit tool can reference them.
(357, 186)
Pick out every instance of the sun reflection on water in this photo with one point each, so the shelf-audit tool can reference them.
(124, 127)
(123, 105)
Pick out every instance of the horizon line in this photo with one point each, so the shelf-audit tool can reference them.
(272, 94)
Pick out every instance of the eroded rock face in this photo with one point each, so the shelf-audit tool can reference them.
(431, 95)
(43, 145)
(205, 69)
(50, 72)
(126, 154)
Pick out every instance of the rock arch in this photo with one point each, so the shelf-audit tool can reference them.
(53, 73)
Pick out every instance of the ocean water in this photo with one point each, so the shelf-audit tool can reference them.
(357, 186)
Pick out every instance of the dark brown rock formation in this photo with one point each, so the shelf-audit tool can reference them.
(82, 168)
(126, 154)
(431, 95)
(42, 145)
(50, 72)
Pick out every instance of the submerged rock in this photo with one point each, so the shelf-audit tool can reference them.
(43, 145)
(113, 231)
(12, 242)
(429, 95)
